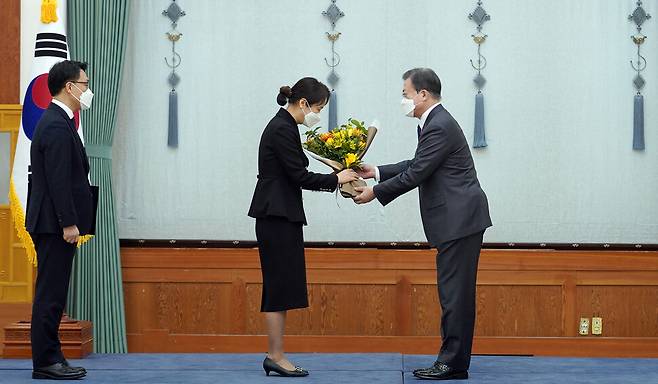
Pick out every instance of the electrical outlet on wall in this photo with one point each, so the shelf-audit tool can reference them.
(584, 326)
(597, 325)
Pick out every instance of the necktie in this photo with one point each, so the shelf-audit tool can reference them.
(418, 129)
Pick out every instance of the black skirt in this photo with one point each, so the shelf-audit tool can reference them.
(281, 249)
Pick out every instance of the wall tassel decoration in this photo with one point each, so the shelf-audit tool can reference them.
(333, 110)
(333, 13)
(479, 140)
(638, 122)
(639, 16)
(173, 13)
(480, 16)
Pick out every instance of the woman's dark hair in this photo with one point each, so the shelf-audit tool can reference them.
(63, 72)
(424, 78)
(307, 88)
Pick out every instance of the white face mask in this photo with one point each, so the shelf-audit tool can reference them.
(85, 98)
(408, 106)
(311, 118)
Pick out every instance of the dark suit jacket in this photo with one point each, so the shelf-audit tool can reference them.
(282, 172)
(452, 204)
(60, 194)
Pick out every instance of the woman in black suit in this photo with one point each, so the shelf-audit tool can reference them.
(279, 213)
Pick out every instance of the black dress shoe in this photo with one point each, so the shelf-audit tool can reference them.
(66, 364)
(57, 371)
(440, 371)
(270, 366)
(420, 370)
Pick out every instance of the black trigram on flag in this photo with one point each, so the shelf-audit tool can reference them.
(51, 44)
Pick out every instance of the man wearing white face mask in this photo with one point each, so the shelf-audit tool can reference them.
(60, 208)
(454, 210)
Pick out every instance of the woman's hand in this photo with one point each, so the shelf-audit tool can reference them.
(347, 175)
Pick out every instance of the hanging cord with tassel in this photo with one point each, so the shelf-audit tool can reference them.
(480, 16)
(333, 13)
(639, 16)
(173, 13)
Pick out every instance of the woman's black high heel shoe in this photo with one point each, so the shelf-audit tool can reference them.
(270, 366)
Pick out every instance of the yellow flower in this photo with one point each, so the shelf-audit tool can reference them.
(329, 141)
(350, 159)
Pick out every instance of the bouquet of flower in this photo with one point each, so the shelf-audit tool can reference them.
(341, 148)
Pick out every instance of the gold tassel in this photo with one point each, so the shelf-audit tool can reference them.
(48, 11)
(19, 223)
(83, 239)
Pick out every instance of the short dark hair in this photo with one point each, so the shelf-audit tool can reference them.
(63, 72)
(424, 78)
(307, 88)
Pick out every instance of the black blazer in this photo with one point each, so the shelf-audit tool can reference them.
(59, 193)
(282, 172)
(452, 204)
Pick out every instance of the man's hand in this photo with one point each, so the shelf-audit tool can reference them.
(366, 171)
(366, 195)
(71, 234)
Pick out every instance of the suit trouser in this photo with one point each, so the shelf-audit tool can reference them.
(55, 259)
(457, 263)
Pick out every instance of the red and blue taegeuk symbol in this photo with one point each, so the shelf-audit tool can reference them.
(37, 99)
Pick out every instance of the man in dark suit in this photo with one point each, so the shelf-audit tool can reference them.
(60, 208)
(453, 208)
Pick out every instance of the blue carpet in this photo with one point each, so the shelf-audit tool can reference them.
(209, 376)
(342, 369)
(497, 377)
(231, 362)
(553, 365)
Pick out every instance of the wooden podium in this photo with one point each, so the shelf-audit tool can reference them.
(76, 338)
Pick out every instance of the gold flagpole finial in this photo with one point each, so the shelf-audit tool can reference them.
(48, 11)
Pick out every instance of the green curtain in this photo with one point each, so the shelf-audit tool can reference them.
(97, 31)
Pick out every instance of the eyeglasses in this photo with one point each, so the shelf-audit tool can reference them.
(81, 82)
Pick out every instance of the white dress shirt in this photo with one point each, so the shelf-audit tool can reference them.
(423, 118)
(65, 107)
